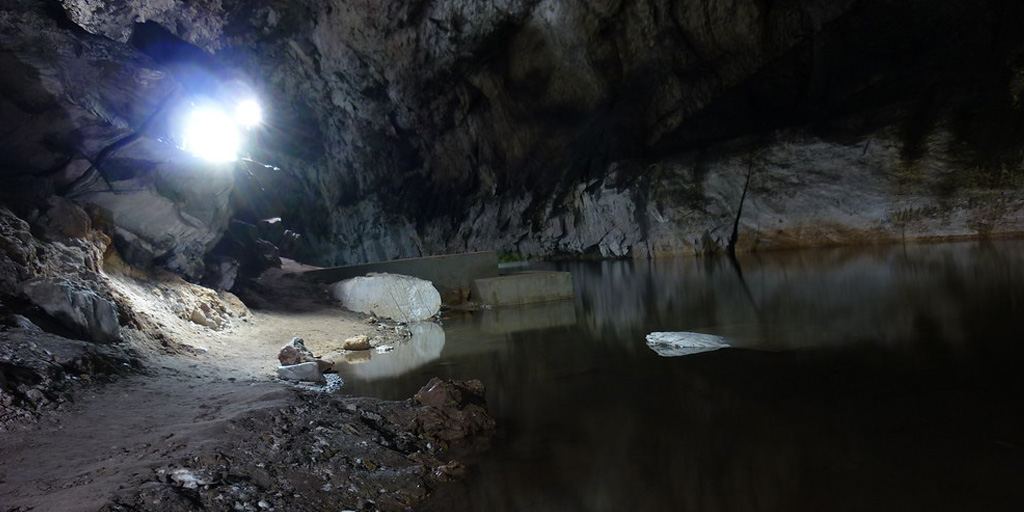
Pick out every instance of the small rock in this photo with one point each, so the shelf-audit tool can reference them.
(36, 396)
(295, 352)
(200, 318)
(191, 478)
(451, 471)
(361, 342)
(308, 372)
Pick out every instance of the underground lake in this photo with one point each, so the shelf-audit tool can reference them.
(873, 378)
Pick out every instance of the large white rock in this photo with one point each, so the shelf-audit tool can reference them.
(398, 297)
(673, 344)
(309, 372)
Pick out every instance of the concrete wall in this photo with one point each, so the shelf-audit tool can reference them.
(452, 274)
(523, 288)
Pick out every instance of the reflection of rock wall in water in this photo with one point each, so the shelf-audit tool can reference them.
(701, 442)
(891, 295)
(424, 346)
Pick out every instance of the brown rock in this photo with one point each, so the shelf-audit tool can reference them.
(451, 410)
(295, 352)
(361, 342)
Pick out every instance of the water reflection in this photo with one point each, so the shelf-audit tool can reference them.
(888, 296)
(885, 379)
(424, 346)
(509, 319)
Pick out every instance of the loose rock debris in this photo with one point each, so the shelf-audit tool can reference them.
(325, 452)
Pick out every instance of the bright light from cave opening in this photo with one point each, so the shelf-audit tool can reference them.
(212, 134)
(248, 113)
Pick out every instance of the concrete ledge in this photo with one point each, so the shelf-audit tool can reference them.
(451, 274)
(523, 288)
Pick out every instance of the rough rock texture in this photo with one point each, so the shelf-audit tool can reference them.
(79, 309)
(361, 342)
(61, 219)
(308, 372)
(61, 278)
(241, 253)
(39, 371)
(221, 272)
(629, 128)
(295, 352)
(92, 125)
(323, 450)
(171, 214)
(401, 298)
(18, 252)
(455, 410)
(579, 127)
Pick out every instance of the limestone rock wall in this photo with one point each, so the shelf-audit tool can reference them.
(613, 128)
(82, 113)
(628, 128)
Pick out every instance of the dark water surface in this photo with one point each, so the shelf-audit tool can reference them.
(873, 379)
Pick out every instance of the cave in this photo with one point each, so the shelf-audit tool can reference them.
(787, 235)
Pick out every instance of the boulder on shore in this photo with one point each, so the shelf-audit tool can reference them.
(308, 372)
(361, 342)
(398, 297)
(295, 352)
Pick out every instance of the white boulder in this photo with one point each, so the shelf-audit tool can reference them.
(398, 297)
(673, 344)
(309, 372)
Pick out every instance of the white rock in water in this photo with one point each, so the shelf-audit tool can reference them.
(672, 344)
(398, 297)
(309, 372)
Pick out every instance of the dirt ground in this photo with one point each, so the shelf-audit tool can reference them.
(206, 426)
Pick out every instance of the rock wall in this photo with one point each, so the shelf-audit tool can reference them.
(84, 116)
(613, 128)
